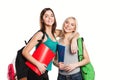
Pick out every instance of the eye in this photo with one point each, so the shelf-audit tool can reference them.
(66, 22)
(72, 24)
(52, 15)
(46, 16)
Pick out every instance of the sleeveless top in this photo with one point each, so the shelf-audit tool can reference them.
(53, 46)
(69, 58)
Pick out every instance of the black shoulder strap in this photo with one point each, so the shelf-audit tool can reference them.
(42, 36)
(82, 38)
(38, 40)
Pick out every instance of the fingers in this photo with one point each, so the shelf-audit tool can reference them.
(74, 50)
(61, 65)
(67, 69)
(70, 67)
(42, 68)
(45, 65)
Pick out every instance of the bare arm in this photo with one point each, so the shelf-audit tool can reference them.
(85, 57)
(58, 33)
(74, 47)
(26, 51)
(86, 60)
(55, 61)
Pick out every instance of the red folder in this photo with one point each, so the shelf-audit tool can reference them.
(43, 54)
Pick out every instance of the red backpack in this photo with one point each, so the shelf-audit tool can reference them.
(11, 72)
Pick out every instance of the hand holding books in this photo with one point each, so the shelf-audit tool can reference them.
(41, 67)
(44, 55)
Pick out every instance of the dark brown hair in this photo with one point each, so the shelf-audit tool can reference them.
(42, 24)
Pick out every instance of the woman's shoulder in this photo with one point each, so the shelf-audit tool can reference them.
(38, 35)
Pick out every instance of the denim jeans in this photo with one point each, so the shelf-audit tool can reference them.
(76, 76)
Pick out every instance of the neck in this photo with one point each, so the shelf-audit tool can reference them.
(48, 29)
(66, 39)
(67, 35)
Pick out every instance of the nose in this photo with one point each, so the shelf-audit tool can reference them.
(50, 17)
(69, 25)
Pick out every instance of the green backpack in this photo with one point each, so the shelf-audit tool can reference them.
(87, 70)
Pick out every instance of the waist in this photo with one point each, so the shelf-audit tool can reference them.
(71, 75)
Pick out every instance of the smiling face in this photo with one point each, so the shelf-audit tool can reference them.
(69, 25)
(48, 18)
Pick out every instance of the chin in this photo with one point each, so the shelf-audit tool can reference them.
(50, 24)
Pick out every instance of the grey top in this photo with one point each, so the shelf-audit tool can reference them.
(69, 58)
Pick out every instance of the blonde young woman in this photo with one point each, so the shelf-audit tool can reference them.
(70, 68)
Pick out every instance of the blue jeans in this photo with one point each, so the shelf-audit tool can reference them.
(76, 76)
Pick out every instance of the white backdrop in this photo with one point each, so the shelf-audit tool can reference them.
(98, 23)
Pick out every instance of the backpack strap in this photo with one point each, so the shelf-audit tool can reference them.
(80, 48)
(42, 37)
(38, 40)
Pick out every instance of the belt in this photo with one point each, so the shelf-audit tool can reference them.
(68, 77)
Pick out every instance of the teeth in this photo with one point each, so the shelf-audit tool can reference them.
(50, 21)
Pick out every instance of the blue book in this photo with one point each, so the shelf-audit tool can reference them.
(61, 51)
